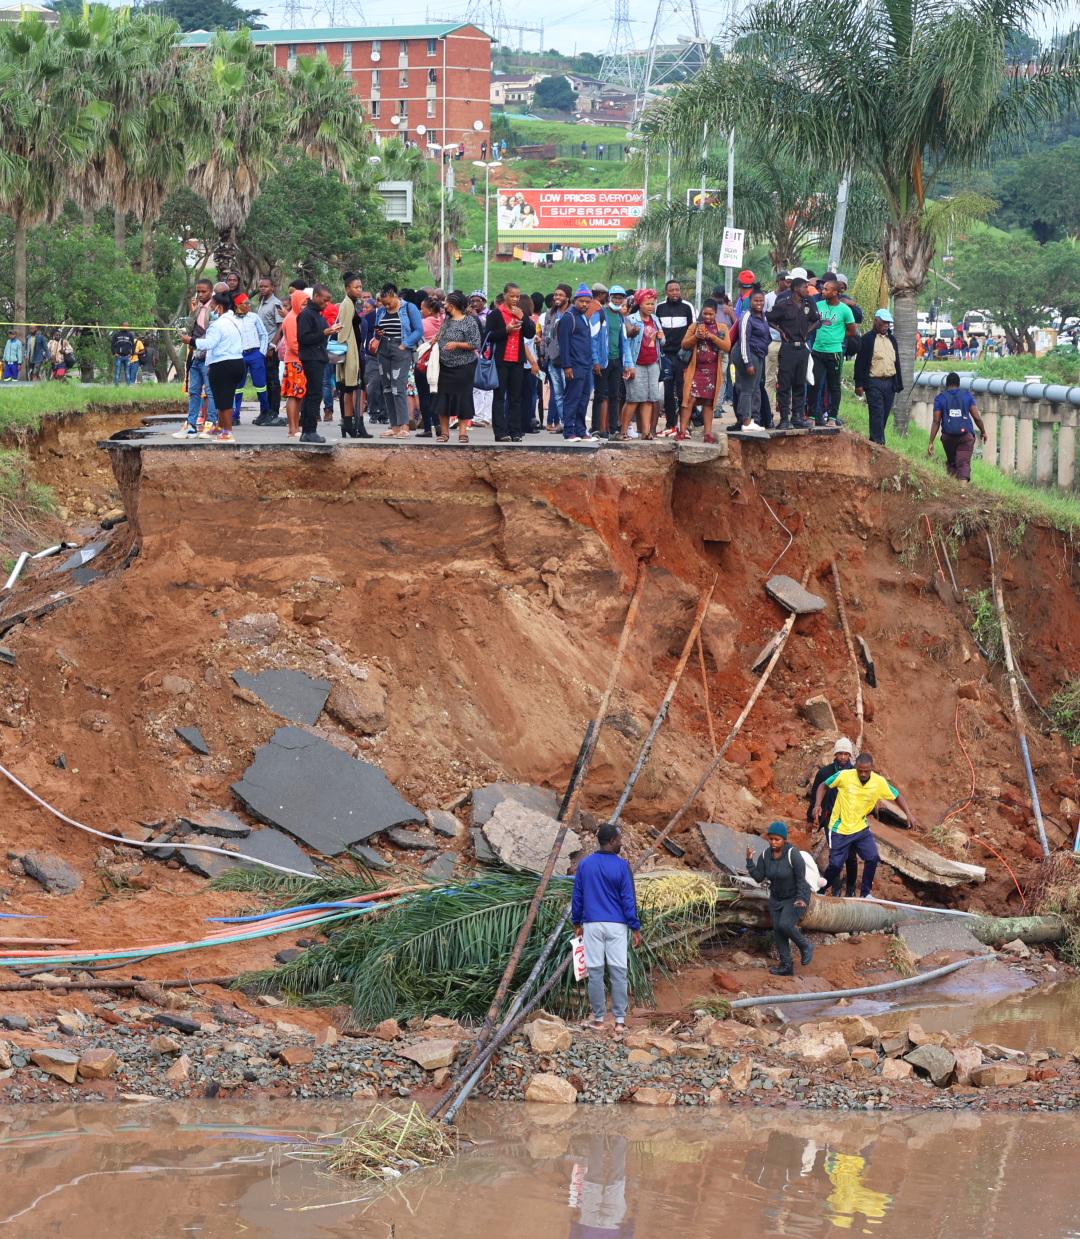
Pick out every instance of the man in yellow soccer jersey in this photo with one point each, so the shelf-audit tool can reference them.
(857, 793)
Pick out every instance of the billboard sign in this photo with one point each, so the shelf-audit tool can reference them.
(570, 216)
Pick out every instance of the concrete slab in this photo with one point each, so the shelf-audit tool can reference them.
(939, 933)
(324, 798)
(900, 849)
(193, 737)
(292, 694)
(522, 838)
(485, 800)
(370, 857)
(791, 595)
(261, 845)
(728, 847)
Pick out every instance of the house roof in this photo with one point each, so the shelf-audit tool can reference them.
(339, 34)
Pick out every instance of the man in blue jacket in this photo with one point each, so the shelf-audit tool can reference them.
(576, 359)
(604, 912)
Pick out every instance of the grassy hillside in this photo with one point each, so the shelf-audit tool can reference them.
(531, 131)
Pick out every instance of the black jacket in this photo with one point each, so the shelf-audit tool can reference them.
(829, 798)
(786, 876)
(495, 326)
(123, 343)
(794, 320)
(865, 355)
(310, 334)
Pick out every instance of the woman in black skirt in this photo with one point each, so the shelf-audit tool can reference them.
(459, 342)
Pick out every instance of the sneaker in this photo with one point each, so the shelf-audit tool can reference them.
(224, 436)
(806, 956)
(784, 423)
(632, 433)
(778, 971)
(209, 431)
(709, 439)
(276, 421)
(801, 423)
(189, 432)
(311, 437)
(572, 439)
(752, 428)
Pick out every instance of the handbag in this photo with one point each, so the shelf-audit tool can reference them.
(336, 349)
(487, 373)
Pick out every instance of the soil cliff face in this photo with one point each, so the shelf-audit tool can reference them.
(466, 606)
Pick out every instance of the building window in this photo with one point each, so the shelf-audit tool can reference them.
(375, 108)
(346, 55)
(403, 47)
(432, 46)
(432, 77)
(403, 107)
(291, 56)
(376, 47)
(376, 79)
(430, 108)
(403, 79)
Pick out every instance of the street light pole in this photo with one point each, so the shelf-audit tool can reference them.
(700, 273)
(667, 229)
(487, 166)
(729, 274)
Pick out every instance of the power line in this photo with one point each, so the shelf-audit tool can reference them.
(620, 66)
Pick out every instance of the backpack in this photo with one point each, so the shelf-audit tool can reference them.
(955, 417)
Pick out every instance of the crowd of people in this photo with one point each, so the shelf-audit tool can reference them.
(36, 358)
(586, 363)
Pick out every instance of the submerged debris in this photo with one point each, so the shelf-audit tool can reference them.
(384, 1144)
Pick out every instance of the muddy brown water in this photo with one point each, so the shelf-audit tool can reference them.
(543, 1172)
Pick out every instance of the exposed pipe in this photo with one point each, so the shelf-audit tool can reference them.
(16, 572)
(661, 713)
(768, 1000)
(1014, 691)
(851, 652)
(137, 843)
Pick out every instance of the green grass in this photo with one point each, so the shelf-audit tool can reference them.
(530, 132)
(24, 407)
(1064, 709)
(19, 493)
(1019, 499)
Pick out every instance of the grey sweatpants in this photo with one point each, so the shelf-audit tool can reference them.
(605, 943)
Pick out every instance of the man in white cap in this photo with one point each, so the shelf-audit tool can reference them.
(877, 373)
(843, 755)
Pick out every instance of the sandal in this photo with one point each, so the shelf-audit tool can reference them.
(463, 438)
(443, 439)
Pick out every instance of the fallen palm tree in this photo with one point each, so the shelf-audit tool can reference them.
(443, 951)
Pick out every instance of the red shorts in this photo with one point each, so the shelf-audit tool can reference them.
(294, 384)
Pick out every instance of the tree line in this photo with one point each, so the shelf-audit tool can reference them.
(191, 155)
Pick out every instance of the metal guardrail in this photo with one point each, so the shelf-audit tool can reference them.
(1054, 393)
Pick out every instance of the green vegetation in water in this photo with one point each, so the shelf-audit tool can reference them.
(24, 407)
(1020, 500)
(1064, 709)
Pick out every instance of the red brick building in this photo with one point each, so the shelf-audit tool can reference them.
(432, 75)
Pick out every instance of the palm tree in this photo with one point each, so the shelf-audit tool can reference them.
(44, 137)
(783, 205)
(897, 89)
(129, 62)
(243, 125)
(325, 118)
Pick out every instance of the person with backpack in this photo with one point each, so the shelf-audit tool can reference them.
(783, 867)
(956, 417)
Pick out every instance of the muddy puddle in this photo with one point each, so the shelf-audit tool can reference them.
(543, 1173)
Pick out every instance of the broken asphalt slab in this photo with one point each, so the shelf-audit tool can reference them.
(82, 556)
(323, 797)
(908, 856)
(218, 822)
(485, 800)
(261, 846)
(728, 847)
(193, 738)
(792, 597)
(292, 694)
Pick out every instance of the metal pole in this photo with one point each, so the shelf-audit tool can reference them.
(839, 220)
(700, 274)
(667, 230)
(487, 220)
(729, 272)
(645, 207)
(442, 179)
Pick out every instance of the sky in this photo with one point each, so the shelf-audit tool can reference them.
(569, 25)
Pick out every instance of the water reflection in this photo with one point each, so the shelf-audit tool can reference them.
(539, 1172)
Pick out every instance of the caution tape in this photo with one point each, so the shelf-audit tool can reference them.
(89, 326)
